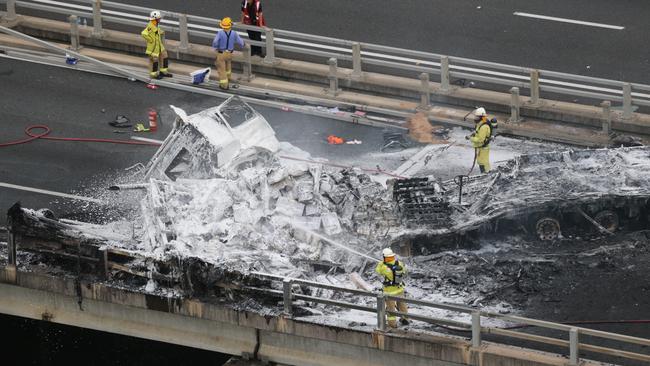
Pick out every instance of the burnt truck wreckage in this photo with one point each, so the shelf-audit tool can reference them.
(543, 194)
(222, 198)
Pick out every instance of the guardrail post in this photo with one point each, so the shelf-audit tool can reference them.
(74, 33)
(286, 295)
(534, 87)
(248, 68)
(444, 73)
(11, 10)
(425, 92)
(97, 19)
(627, 101)
(381, 312)
(11, 246)
(607, 116)
(574, 341)
(476, 329)
(356, 60)
(515, 104)
(184, 45)
(270, 46)
(333, 77)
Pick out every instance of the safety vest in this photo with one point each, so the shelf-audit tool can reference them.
(393, 274)
(398, 272)
(247, 17)
(153, 35)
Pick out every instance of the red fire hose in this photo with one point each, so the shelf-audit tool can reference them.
(29, 131)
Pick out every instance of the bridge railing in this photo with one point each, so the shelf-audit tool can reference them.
(572, 341)
(361, 57)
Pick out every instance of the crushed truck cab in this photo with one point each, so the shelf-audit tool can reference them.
(212, 143)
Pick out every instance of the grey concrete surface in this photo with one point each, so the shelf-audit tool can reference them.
(71, 104)
(461, 28)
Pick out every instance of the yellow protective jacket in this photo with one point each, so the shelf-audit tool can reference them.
(483, 132)
(153, 34)
(384, 270)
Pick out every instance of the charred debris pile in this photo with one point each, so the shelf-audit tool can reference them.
(223, 198)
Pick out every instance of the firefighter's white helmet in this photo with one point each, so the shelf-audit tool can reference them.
(388, 253)
(480, 112)
(155, 15)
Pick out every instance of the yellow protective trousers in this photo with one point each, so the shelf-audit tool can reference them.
(224, 68)
(392, 305)
(483, 159)
(158, 64)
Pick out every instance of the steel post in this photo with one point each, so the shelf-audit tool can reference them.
(627, 101)
(184, 45)
(381, 312)
(574, 342)
(476, 329)
(270, 47)
(11, 246)
(444, 73)
(534, 87)
(97, 19)
(356, 60)
(247, 66)
(515, 105)
(11, 10)
(286, 296)
(74, 33)
(607, 116)
(425, 92)
(333, 76)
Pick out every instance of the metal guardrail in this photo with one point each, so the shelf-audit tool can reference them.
(384, 59)
(574, 344)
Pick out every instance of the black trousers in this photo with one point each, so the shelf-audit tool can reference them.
(255, 36)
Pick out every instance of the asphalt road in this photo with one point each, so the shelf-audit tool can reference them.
(485, 30)
(75, 104)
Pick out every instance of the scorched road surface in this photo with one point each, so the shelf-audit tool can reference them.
(76, 104)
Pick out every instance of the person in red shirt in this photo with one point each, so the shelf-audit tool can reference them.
(251, 14)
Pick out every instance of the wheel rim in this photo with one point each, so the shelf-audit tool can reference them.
(547, 228)
(607, 219)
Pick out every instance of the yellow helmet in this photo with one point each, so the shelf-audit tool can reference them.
(226, 23)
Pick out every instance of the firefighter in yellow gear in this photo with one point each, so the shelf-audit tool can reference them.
(393, 272)
(481, 139)
(154, 35)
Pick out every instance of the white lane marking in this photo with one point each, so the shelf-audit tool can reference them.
(138, 138)
(51, 193)
(391, 57)
(565, 20)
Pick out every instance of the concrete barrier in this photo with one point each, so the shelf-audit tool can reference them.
(391, 86)
(220, 328)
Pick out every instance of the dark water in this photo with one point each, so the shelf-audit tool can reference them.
(34, 342)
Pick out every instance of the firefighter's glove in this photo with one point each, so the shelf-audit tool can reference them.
(140, 128)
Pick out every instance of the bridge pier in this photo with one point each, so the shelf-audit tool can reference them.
(220, 328)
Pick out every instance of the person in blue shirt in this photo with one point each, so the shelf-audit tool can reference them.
(224, 42)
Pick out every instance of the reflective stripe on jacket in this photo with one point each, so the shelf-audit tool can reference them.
(153, 35)
(246, 17)
(385, 270)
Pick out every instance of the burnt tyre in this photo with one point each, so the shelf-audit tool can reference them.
(608, 219)
(547, 229)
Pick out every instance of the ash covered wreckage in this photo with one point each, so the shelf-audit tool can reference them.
(222, 201)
